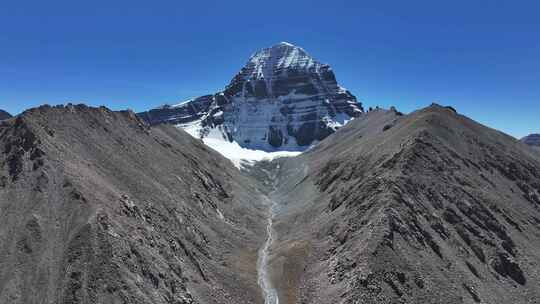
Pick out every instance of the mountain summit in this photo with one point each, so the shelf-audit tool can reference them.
(282, 99)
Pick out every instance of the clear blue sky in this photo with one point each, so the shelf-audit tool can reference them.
(482, 57)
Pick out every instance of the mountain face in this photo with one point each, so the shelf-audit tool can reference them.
(532, 140)
(429, 207)
(282, 99)
(4, 115)
(98, 207)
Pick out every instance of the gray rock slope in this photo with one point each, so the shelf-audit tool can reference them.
(430, 207)
(4, 115)
(282, 99)
(97, 207)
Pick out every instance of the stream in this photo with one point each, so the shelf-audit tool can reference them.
(269, 292)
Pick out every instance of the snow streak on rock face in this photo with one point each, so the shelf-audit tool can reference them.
(282, 99)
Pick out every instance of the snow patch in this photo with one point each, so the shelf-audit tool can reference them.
(216, 139)
(182, 103)
(243, 156)
(193, 128)
(220, 215)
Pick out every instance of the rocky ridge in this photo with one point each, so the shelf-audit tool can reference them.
(429, 207)
(98, 207)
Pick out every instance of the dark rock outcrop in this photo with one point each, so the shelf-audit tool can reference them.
(189, 112)
(281, 99)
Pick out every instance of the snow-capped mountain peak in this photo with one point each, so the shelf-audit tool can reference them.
(269, 63)
(282, 55)
(281, 100)
(285, 43)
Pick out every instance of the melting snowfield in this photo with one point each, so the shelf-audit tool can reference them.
(240, 156)
(243, 156)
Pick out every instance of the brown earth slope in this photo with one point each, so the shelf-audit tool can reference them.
(96, 207)
(429, 207)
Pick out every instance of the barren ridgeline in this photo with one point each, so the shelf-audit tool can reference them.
(96, 206)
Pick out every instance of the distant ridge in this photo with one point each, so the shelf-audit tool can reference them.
(532, 140)
(4, 115)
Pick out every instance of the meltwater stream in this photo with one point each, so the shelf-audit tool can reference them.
(269, 292)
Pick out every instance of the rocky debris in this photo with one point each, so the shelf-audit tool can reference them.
(532, 140)
(96, 206)
(4, 115)
(434, 209)
(281, 99)
(20, 148)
